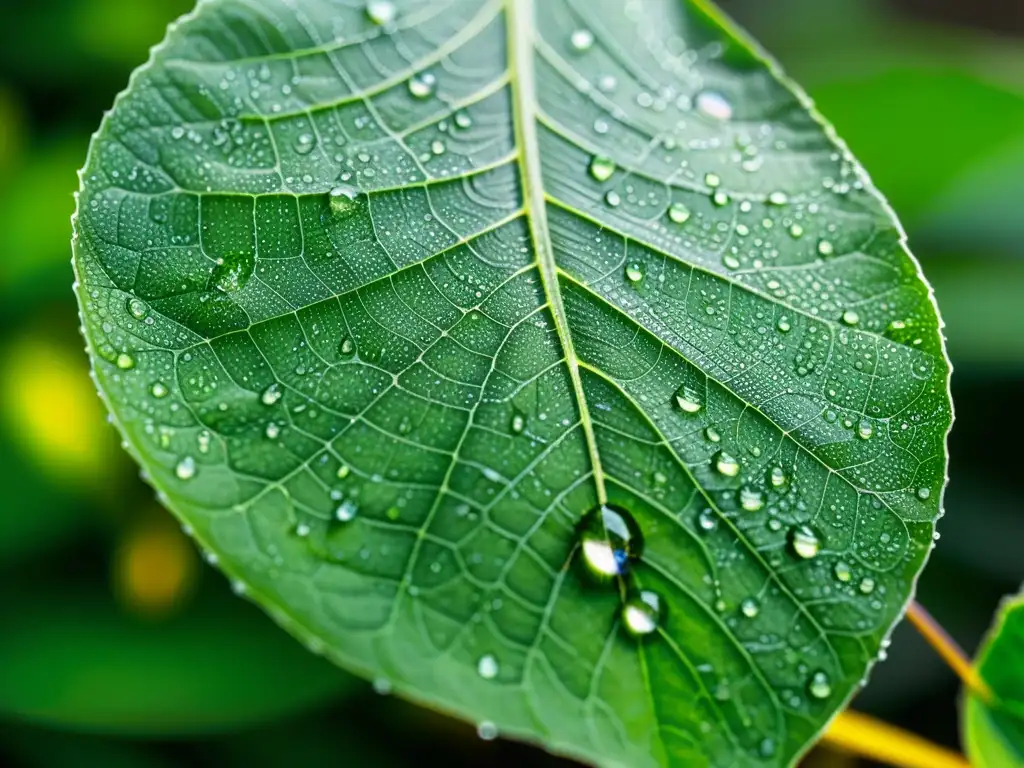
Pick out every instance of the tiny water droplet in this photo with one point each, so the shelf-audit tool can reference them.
(713, 180)
(842, 572)
(601, 168)
(273, 431)
(796, 231)
(186, 468)
(678, 213)
(820, 687)
(343, 471)
(707, 520)
(422, 85)
(726, 464)
(610, 539)
(784, 325)
(825, 248)
(487, 667)
(641, 613)
(518, 423)
(805, 542)
(158, 390)
(462, 119)
(346, 511)
(581, 40)
(750, 607)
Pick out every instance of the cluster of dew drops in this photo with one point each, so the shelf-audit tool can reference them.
(610, 540)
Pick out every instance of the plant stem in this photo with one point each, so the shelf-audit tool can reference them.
(858, 734)
(948, 649)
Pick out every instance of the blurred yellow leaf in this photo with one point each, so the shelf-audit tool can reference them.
(155, 567)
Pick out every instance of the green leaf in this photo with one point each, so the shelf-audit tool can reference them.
(388, 300)
(994, 730)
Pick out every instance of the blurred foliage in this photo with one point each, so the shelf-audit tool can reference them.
(114, 628)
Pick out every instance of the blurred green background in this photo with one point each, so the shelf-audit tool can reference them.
(120, 648)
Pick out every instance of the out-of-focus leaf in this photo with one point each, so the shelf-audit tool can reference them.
(32, 746)
(422, 334)
(70, 658)
(994, 730)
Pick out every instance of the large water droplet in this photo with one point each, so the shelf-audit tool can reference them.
(610, 539)
(232, 272)
(422, 85)
(751, 499)
(271, 395)
(804, 541)
(924, 493)
(346, 511)
(641, 613)
(819, 686)
(842, 571)
(581, 40)
(750, 607)
(634, 271)
(487, 667)
(343, 200)
(713, 104)
(186, 468)
(518, 423)
(602, 168)
(125, 361)
(688, 400)
(865, 429)
(304, 143)
(346, 347)
(825, 248)
(726, 464)
(612, 198)
(137, 308)
(381, 11)
(850, 317)
(487, 731)
(867, 585)
(678, 213)
(158, 390)
(777, 477)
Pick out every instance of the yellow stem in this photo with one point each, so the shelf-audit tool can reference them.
(861, 735)
(948, 649)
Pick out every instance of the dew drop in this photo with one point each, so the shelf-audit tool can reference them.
(125, 361)
(186, 468)
(825, 248)
(713, 104)
(422, 85)
(634, 271)
(805, 542)
(850, 317)
(232, 272)
(867, 585)
(487, 731)
(750, 607)
(158, 390)
(865, 429)
(612, 198)
(381, 12)
(304, 143)
(347, 347)
(343, 200)
(842, 572)
(777, 477)
(678, 213)
(518, 423)
(713, 180)
(819, 686)
(610, 540)
(751, 499)
(688, 400)
(463, 120)
(601, 168)
(273, 431)
(784, 325)
(924, 493)
(726, 464)
(707, 520)
(581, 40)
(137, 308)
(346, 511)
(487, 667)
(270, 395)
(343, 471)
(796, 231)
(712, 434)
(641, 613)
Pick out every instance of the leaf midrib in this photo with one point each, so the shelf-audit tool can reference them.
(520, 20)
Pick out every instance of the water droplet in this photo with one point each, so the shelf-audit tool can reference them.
(437, 147)
(825, 248)
(343, 471)
(713, 180)
(924, 493)
(346, 347)
(125, 361)
(186, 468)
(381, 11)
(641, 613)
(463, 120)
(634, 271)
(850, 317)
(518, 423)
(713, 104)
(820, 687)
(346, 511)
(707, 520)
(712, 434)
(726, 464)
(422, 85)
(688, 400)
(487, 667)
(750, 607)
(343, 200)
(273, 431)
(867, 585)
(796, 231)
(232, 272)
(842, 571)
(610, 539)
(581, 40)
(302, 530)
(865, 429)
(487, 731)
(751, 499)
(601, 168)
(158, 390)
(805, 542)
(777, 477)
(137, 308)
(678, 213)
(784, 325)
(304, 143)
(778, 198)
(270, 395)
(612, 198)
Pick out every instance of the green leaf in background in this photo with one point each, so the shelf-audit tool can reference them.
(994, 731)
(550, 362)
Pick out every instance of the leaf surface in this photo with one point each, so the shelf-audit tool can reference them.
(388, 298)
(994, 730)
